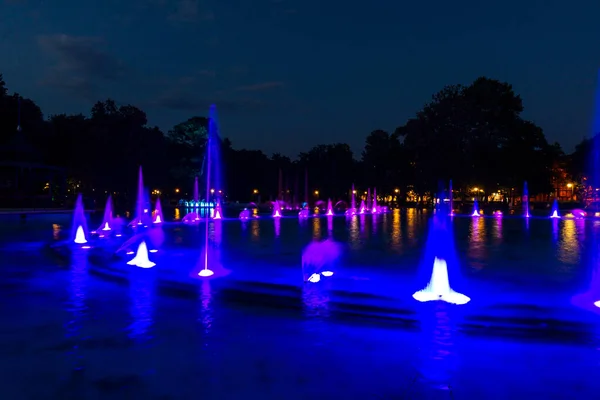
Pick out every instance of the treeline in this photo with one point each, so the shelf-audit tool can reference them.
(474, 135)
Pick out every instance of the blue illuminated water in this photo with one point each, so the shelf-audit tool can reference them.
(78, 333)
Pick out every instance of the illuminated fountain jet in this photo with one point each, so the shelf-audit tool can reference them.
(439, 287)
(555, 213)
(597, 304)
(363, 208)
(245, 214)
(108, 216)
(475, 209)
(276, 210)
(374, 208)
(217, 212)
(141, 257)
(329, 208)
(80, 236)
(158, 214)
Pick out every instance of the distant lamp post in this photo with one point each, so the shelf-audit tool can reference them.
(316, 192)
(176, 190)
(572, 187)
(396, 190)
(255, 191)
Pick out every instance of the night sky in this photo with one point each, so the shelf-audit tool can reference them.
(289, 74)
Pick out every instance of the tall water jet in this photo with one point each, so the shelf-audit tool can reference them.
(374, 209)
(368, 202)
(555, 213)
(79, 227)
(210, 142)
(108, 216)
(142, 216)
(218, 212)
(141, 257)
(363, 207)
(526, 200)
(352, 210)
(196, 195)
(158, 214)
(329, 208)
(451, 198)
(476, 208)
(276, 210)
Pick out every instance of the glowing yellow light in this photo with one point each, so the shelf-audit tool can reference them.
(255, 191)
(569, 185)
(177, 190)
(316, 192)
(397, 190)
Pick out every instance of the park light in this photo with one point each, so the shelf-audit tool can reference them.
(255, 191)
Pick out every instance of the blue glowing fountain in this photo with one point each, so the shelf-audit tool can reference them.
(79, 231)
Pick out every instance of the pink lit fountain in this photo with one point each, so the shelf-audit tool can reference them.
(276, 210)
(439, 288)
(363, 207)
(157, 216)
(218, 212)
(107, 220)
(329, 208)
(374, 208)
(79, 228)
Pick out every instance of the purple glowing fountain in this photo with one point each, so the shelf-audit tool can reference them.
(79, 228)
(329, 208)
(107, 219)
(526, 200)
(476, 208)
(555, 214)
(158, 214)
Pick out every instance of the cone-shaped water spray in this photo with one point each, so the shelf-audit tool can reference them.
(439, 287)
(218, 213)
(276, 210)
(555, 213)
(476, 208)
(363, 207)
(79, 227)
(329, 207)
(158, 214)
(374, 206)
(141, 257)
(108, 216)
(526, 200)
(196, 198)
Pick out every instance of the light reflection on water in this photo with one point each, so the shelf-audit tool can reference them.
(497, 230)
(477, 248)
(277, 225)
(330, 226)
(205, 316)
(568, 243)
(354, 233)
(439, 358)
(141, 305)
(255, 230)
(76, 304)
(411, 224)
(316, 228)
(396, 239)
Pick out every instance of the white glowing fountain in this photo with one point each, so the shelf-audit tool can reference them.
(106, 227)
(555, 214)
(141, 257)
(205, 273)
(597, 304)
(439, 287)
(80, 236)
(157, 220)
(314, 278)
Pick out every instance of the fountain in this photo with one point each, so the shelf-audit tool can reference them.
(526, 200)
(211, 152)
(555, 213)
(476, 208)
(440, 252)
(141, 257)
(363, 208)
(217, 213)
(196, 198)
(108, 216)
(79, 228)
(329, 208)
(158, 214)
(374, 208)
(439, 287)
(141, 211)
(451, 198)
(276, 210)
(319, 258)
(304, 213)
(245, 214)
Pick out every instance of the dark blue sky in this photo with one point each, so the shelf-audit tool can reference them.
(288, 74)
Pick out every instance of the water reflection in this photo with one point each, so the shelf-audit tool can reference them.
(363, 226)
(374, 224)
(315, 299)
(330, 226)
(396, 239)
(206, 313)
(477, 248)
(56, 231)
(354, 233)
(411, 224)
(255, 230)
(316, 228)
(141, 305)
(76, 305)
(568, 245)
(439, 358)
(555, 229)
(216, 232)
(277, 224)
(497, 230)
(177, 214)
